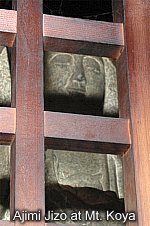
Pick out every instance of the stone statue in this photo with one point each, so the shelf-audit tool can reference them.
(5, 79)
(74, 74)
(90, 81)
(75, 84)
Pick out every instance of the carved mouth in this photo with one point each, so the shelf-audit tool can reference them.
(76, 90)
(76, 87)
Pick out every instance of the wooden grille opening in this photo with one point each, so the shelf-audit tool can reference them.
(92, 10)
(78, 181)
(80, 84)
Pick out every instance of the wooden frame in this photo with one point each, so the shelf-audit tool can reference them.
(26, 129)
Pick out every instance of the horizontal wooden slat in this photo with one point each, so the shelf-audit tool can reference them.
(8, 23)
(71, 35)
(6, 223)
(7, 120)
(29, 143)
(86, 146)
(6, 139)
(83, 30)
(82, 36)
(80, 132)
(86, 133)
(7, 124)
(83, 127)
(7, 39)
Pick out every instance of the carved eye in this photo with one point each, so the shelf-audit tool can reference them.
(80, 77)
(62, 65)
(92, 69)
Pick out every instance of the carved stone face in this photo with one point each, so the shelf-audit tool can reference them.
(69, 74)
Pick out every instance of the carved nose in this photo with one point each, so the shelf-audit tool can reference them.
(77, 83)
(79, 80)
(79, 77)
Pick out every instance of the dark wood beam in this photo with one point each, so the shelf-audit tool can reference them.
(83, 30)
(137, 33)
(13, 104)
(124, 111)
(82, 47)
(7, 39)
(8, 24)
(76, 129)
(86, 133)
(133, 74)
(70, 35)
(27, 159)
(128, 158)
(118, 11)
(83, 36)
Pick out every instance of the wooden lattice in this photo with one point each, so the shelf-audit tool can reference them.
(28, 128)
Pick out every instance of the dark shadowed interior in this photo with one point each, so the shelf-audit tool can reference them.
(91, 9)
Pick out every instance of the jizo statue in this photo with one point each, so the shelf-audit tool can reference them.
(80, 84)
(76, 84)
(75, 74)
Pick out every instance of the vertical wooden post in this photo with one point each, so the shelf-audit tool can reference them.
(137, 14)
(29, 143)
(124, 112)
(130, 195)
(13, 104)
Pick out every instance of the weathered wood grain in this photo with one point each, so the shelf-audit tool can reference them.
(29, 100)
(83, 36)
(29, 144)
(124, 111)
(134, 70)
(8, 21)
(83, 30)
(86, 133)
(70, 34)
(137, 15)
(7, 39)
(7, 115)
(128, 159)
(7, 125)
(8, 24)
(13, 146)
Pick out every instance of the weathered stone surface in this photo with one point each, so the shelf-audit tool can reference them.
(80, 84)
(79, 169)
(83, 77)
(5, 99)
(5, 79)
(111, 94)
(92, 77)
(67, 73)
